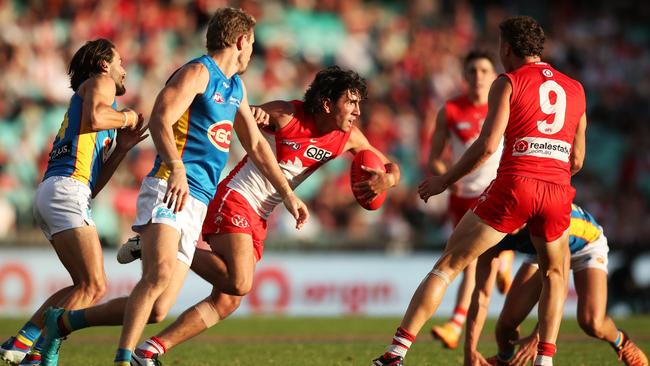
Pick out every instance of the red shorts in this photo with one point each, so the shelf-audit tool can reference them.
(458, 206)
(229, 213)
(511, 201)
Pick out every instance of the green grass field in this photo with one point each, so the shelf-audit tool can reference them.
(322, 342)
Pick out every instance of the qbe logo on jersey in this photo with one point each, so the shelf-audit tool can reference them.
(316, 153)
(219, 135)
(542, 148)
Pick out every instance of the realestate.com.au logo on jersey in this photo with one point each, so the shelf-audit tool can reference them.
(542, 148)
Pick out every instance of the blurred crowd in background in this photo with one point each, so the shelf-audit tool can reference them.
(410, 53)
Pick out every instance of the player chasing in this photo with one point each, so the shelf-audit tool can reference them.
(190, 124)
(541, 114)
(458, 125)
(588, 246)
(80, 164)
(305, 135)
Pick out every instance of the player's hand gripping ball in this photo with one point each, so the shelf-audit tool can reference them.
(368, 159)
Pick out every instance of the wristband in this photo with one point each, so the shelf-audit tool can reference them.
(126, 120)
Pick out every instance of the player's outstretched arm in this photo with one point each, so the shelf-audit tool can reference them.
(527, 348)
(438, 144)
(172, 101)
(262, 156)
(484, 146)
(98, 94)
(379, 181)
(579, 146)
(487, 267)
(126, 140)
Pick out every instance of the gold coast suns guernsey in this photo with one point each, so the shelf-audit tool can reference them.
(77, 151)
(203, 132)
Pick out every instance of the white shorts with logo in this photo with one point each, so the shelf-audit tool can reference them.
(593, 255)
(62, 203)
(188, 222)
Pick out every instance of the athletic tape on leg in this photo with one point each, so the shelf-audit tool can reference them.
(442, 275)
(207, 312)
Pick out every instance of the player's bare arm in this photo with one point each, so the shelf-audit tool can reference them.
(579, 146)
(126, 140)
(279, 113)
(484, 146)
(261, 154)
(98, 94)
(379, 181)
(438, 144)
(172, 101)
(527, 348)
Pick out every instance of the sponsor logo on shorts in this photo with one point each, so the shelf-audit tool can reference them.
(316, 153)
(463, 126)
(220, 134)
(239, 221)
(294, 145)
(164, 213)
(542, 148)
(600, 260)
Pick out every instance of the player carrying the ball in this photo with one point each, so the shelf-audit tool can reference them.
(540, 113)
(305, 135)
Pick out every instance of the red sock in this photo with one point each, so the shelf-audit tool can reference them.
(545, 352)
(458, 319)
(402, 341)
(150, 347)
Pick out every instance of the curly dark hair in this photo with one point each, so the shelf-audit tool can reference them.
(331, 83)
(478, 54)
(87, 61)
(225, 26)
(524, 34)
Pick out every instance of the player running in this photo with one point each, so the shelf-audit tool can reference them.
(191, 125)
(541, 114)
(305, 135)
(459, 124)
(80, 164)
(588, 246)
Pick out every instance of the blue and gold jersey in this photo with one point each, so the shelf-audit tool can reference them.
(203, 132)
(583, 230)
(77, 151)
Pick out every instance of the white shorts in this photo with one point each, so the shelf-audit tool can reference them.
(62, 203)
(593, 255)
(188, 222)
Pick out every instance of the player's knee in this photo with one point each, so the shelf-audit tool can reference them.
(239, 286)
(158, 313)
(590, 324)
(94, 290)
(160, 278)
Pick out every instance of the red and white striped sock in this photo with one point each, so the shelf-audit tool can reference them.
(150, 347)
(545, 352)
(458, 319)
(402, 341)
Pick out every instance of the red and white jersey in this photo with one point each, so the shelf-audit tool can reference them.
(299, 148)
(545, 109)
(464, 122)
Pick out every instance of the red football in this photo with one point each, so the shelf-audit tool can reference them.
(368, 159)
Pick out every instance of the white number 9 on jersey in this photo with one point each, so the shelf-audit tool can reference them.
(558, 109)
